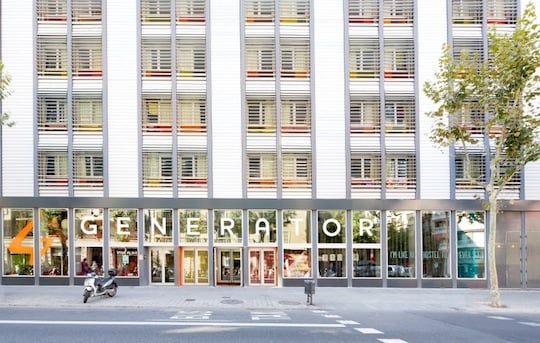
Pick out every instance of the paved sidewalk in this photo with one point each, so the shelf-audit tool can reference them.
(381, 299)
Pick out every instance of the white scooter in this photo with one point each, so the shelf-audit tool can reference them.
(96, 286)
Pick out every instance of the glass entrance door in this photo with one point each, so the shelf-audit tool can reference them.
(262, 267)
(161, 266)
(195, 266)
(229, 266)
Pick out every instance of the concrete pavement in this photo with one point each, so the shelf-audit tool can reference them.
(201, 297)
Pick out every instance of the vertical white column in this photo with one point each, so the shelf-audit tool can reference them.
(122, 98)
(226, 99)
(329, 100)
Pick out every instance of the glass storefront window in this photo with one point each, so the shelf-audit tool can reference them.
(331, 225)
(366, 243)
(158, 226)
(88, 241)
(123, 225)
(53, 224)
(18, 241)
(124, 240)
(400, 228)
(296, 263)
(228, 226)
(471, 243)
(262, 226)
(296, 226)
(193, 226)
(125, 261)
(332, 262)
(435, 244)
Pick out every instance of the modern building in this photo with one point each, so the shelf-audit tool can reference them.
(249, 143)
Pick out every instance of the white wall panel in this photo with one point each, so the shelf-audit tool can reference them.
(532, 181)
(226, 99)
(17, 56)
(122, 98)
(434, 169)
(329, 101)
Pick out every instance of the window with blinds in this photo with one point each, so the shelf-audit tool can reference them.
(88, 169)
(401, 171)
(86, 10)
(156, 10)
(399, 115)
(156, 57)
(157, 113)
(398, 58)
(191, 112)
(51, 112)
(191, 57)
(294, 11)
(470, 116)
(260, 57)
(501, 11)
(51, 10)
(157, 169)
(52, 56)
(398, 11)
(190, 11)
(365, 171)
(469, 50)
(470, 172)
(87, 112)
(193, 169)
(53, 168)
(364, 11)
(295, 114)
(365, 114)
(467, 11)
(261, 114)
(87, 57)
(296, 170)
(261, 170)
(259, 11)
(294, 57)
(364, 58)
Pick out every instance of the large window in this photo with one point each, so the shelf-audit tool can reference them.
(365, 170)
(53, 168)
(87, 112)
(435, 244)
(260, 57)
(190, 57)
(364, 58)
(294, 11)
(262, 226)
(52, 56)
(399, 115)
(52, 10)
(261, 116)
(261, 169)
(54, 235)
(365, 114)
(88, 169)
(295, 114)
(296, 243)
(366, 227)
(400, 171)
(259, 11)
(398, 11)
(191, 113)
(332, 239)
(157, 113)
(398, 58)
(88, 241)
(157, 169)
(193, 226)
(193, 169)
(471, 244)
(18, 241)
(51, 112)
(228, 226)
(87, 57)
(158, 227)
(470, 172)
(466, 11)
(190, 10)
(400, 231)
(296, 170)
(123, 226)
(363, 11)
(156, 57)
(294, 58)
(156, 10)
(86, 10)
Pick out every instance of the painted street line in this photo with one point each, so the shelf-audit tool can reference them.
(259, 315)
(369, 331)
(138, 323)
(391, 340)
(347, 322)
(530, 323)
(500, 318)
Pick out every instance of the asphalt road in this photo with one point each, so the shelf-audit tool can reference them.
(26, 324)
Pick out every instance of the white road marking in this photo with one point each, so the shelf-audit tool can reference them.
(258, 315)
(500, 318)
(332, 316)
(369, 331)
(136, 323)
(530, 323)
(391, 340)
(347, 322)
(192, 315)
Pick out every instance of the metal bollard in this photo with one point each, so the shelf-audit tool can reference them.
(309, 290)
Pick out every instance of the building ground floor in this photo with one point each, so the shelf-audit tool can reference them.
(263, 243)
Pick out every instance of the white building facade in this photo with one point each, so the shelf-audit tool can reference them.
(248, 143)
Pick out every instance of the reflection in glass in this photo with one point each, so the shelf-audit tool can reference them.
(471, 242)
(195, 263)
(331, 225)
(193, 226)
(18, 241)
(296, 226)
(332, 263)
(53, 223)
(400, 228)
(296, 263)
(228, 226)
(367, 262)
(123, 225)
(262, 226)
(366, 226)
(435, 244)
(158, 226)
(88, 241)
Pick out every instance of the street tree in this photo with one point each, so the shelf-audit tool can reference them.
(491, 102)
(5, 81)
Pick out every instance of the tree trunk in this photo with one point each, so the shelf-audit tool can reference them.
(493, 279)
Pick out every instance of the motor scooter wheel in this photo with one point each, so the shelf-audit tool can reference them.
(112, 292)
(86, 295)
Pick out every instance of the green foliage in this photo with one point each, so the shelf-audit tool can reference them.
(5, 81)
(505, 86)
